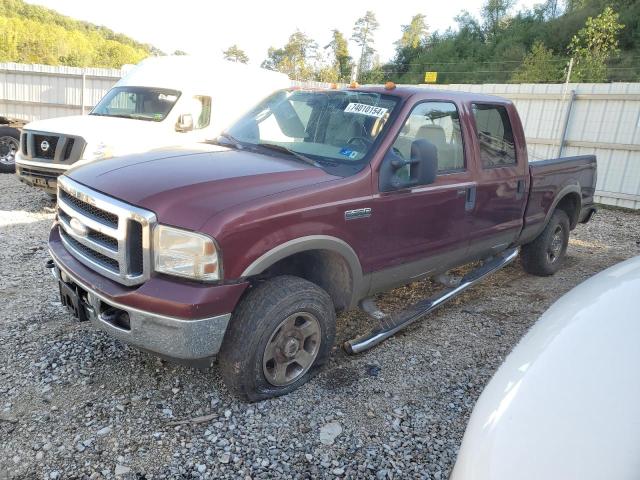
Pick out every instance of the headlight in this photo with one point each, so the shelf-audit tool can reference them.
(185, 254)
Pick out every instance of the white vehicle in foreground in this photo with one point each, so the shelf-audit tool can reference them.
(565, 405)
(163, 101)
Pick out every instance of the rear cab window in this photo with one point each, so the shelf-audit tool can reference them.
(495, 135)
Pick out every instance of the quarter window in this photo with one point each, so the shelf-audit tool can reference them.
(438, 123)
(495, 136)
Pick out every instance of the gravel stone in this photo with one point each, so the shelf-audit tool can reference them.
(401, 408)
(121, 470)
(329, 433)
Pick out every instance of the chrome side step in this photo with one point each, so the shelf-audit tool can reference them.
(392, 324)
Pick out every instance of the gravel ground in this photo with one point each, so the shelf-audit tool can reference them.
(75, 403)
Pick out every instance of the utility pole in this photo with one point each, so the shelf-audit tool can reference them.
(567, 117)
(566, 82)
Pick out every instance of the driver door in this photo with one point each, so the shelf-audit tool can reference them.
(424, 229)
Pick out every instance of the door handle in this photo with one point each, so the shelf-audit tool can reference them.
(520, 189)
(470, 200)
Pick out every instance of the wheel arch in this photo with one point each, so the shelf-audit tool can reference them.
(327, 261)
(570, 201)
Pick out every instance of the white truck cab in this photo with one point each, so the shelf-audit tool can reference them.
(162, 101)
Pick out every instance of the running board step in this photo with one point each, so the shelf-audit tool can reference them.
(392, 324)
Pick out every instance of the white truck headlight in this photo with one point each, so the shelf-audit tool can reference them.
(185, 254)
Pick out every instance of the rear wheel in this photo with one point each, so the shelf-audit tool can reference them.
(279, 336)
(9, 146)
(545, 255)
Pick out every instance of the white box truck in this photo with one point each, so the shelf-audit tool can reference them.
(162, 101)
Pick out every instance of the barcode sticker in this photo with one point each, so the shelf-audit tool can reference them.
(363, 109)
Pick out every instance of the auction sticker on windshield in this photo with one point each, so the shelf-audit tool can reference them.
(363, 109)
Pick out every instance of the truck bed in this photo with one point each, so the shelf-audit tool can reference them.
(550, 181)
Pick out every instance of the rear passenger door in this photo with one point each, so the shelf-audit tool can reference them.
(502, 177)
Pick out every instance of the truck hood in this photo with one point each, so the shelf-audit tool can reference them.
(185, 186)
(96, 129)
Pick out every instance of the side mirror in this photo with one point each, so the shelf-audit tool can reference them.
(397, 173)
(184, 123)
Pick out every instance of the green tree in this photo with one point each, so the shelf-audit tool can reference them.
(494, 13)
(415, 34)
(342, 61)
(594, 44)
(179, 53)
(235, 54)
(538, 66)
(294, 58)
(414, 38)
(363, 33)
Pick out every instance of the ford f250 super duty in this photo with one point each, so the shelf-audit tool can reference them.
(311, 203)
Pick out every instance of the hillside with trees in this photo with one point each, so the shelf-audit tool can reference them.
(34, 34)
(503, 45)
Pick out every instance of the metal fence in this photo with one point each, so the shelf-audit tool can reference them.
(595, 118)
(34, 92)
(603, 119)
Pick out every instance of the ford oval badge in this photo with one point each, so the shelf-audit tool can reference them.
(78, 227)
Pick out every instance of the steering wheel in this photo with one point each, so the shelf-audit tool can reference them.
(363, 142)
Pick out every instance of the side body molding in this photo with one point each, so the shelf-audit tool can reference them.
(360, 283)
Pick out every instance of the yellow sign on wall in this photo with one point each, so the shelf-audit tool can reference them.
(430, 77)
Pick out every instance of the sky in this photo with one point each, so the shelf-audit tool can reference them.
(206, 27)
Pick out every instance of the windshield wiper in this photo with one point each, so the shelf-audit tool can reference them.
(117, 115)
(280, 148)
(231, 140)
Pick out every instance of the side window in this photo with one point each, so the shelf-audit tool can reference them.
(202, 113)
(495, 135)
(438, 123)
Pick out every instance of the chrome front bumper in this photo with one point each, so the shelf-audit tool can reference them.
(171, 337)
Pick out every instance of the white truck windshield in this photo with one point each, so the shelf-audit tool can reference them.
(140, 103)
(339, 126)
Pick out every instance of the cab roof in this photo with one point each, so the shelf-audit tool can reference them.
(406, 91)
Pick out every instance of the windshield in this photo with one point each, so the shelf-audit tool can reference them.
(328, 126)
(140, 103)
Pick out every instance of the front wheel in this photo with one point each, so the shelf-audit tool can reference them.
(545, 255)
(278, 337)
(9, 145)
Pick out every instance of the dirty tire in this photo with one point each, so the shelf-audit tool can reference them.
(256, 322)
(545, 255)
(9, 145)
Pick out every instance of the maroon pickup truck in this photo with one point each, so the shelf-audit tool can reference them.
(244, 249)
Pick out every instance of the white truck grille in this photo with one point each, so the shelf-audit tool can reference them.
(109, 236)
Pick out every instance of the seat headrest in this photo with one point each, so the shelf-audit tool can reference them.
(434, 133)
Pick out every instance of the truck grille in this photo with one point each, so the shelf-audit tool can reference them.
(107, 235)
(45, 146)
(61, 149)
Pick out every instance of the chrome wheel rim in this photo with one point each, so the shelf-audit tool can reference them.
(291, 349)
(556, 244)
(8, 149)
